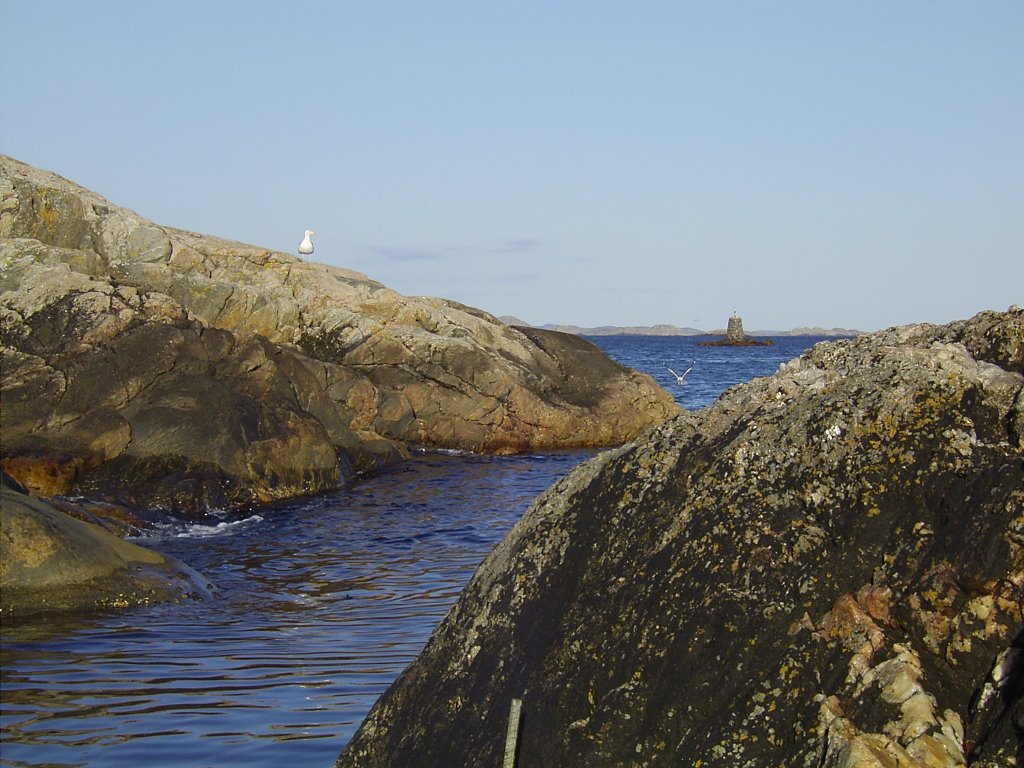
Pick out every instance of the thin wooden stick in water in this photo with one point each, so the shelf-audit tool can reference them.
(512, 737)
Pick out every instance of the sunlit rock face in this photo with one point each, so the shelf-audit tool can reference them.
(170, 368)
(51, 561)
(825, 568)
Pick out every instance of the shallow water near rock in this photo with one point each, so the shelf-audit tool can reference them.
(321, 602)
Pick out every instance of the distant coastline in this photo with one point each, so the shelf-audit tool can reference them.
(673, 330)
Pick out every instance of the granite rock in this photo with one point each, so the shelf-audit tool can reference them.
(51, 561)
(113, 391)
(823, 569)
(163, 367)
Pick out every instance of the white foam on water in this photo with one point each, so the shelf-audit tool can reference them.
(183, 530)
(198, 530)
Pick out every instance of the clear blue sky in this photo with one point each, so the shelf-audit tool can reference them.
(856, 164)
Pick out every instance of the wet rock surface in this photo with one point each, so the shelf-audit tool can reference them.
(51, 561)
(155, 366)
(824, 569)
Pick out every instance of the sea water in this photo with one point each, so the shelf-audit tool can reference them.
(320, 604)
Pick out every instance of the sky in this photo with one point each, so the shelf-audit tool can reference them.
(835, 164)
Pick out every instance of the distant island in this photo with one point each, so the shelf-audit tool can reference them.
(663, 329)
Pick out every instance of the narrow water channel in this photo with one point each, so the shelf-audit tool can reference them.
(321, 603)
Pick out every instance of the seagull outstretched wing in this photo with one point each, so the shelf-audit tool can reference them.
(680, 377)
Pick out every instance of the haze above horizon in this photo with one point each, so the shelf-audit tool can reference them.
(805, 164)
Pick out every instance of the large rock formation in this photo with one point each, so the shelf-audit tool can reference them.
(50, 561)
(824, 569)
(162, 367)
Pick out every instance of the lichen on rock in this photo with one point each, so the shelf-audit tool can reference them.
(824, 568)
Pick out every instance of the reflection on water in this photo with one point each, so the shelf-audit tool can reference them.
(321, 604)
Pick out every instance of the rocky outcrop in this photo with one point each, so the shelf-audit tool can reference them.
(113, 391)
(824, 569)
(50, 561)
(162, 367)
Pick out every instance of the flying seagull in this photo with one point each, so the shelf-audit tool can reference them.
(680, 377)
(306, 246)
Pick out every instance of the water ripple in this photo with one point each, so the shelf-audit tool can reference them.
(321, 604)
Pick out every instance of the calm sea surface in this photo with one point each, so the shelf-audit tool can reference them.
(321, 603)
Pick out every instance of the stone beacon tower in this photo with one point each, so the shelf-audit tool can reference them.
(734, 333)
(735, 337)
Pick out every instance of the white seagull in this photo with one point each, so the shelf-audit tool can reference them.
(306, 246)
(680, 377)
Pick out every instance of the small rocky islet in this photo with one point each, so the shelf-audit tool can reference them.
(735, 337)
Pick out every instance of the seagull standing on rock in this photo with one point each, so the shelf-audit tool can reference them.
(306, 246)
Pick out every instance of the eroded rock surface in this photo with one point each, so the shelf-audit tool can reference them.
(162, 367)
(824, 569)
